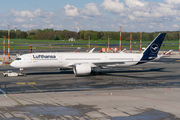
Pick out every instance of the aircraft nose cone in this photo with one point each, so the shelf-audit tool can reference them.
(12, 64)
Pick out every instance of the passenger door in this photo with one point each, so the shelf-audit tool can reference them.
(30, 59)
(60, 59)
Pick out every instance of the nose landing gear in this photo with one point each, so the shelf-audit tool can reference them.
(21, 69)
(21, 72)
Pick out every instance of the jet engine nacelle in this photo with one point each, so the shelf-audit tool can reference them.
(82, 69)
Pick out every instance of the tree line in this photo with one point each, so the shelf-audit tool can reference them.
(14, 35)
(50, 34)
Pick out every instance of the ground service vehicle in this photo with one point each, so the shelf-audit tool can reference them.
(11, 73)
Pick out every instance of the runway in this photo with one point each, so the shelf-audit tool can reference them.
(146, 91)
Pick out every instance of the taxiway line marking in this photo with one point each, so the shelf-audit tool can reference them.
(22, 105)
(136, 69)
(1, 71)
(22, 83)
(31, 83)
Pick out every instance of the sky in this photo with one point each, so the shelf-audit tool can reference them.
(96, 15)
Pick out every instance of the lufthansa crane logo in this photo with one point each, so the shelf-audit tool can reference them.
(154, 48)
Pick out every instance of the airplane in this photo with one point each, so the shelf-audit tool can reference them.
(85, 63)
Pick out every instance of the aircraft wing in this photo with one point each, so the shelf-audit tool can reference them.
(107, 63)
(96, 64)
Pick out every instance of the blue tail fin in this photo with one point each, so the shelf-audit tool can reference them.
(152, 50)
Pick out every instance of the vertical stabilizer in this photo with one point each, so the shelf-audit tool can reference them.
(152, 50)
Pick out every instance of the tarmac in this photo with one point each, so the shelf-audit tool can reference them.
(139, 104)
(149, 91)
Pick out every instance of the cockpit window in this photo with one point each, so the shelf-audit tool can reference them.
(18, 59)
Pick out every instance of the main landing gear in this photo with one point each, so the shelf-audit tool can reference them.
(96, 71)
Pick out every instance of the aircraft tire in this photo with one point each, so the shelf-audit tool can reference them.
(5, 75)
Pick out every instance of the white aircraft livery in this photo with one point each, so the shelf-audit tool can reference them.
(85, 63)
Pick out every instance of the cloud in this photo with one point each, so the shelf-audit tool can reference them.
(71, 11)
(172, 1)
(150, 26)
(96, 27)
(131, 17)
(134, 3)
(141, 11)
(42, 13)
(5, 24)
(113, 6)
(59, 26)
(177, 19)
(19, 20)
(26, 14)
(91, 10)
(46, 21)
(15, 13)
(122, 15)
(36, 13)
(23, 20)
(166, 10)
(51, 26)
(131, 14)
(22, 13)
(176, 26)
(29, 26)
(26, 19)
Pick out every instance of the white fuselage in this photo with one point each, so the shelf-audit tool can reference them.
(67, 60)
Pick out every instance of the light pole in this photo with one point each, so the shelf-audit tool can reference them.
(15, 28)
(130, 40)
(108, 42)
(120, 40)
(140, 41)
(9, 42)
(179, 42)
(4, 49)
(89, 43)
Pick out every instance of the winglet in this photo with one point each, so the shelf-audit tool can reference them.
(91, 51)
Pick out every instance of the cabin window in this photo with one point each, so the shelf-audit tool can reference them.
(18, 59)
(82, 58)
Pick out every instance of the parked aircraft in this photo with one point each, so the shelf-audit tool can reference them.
(85, 63)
